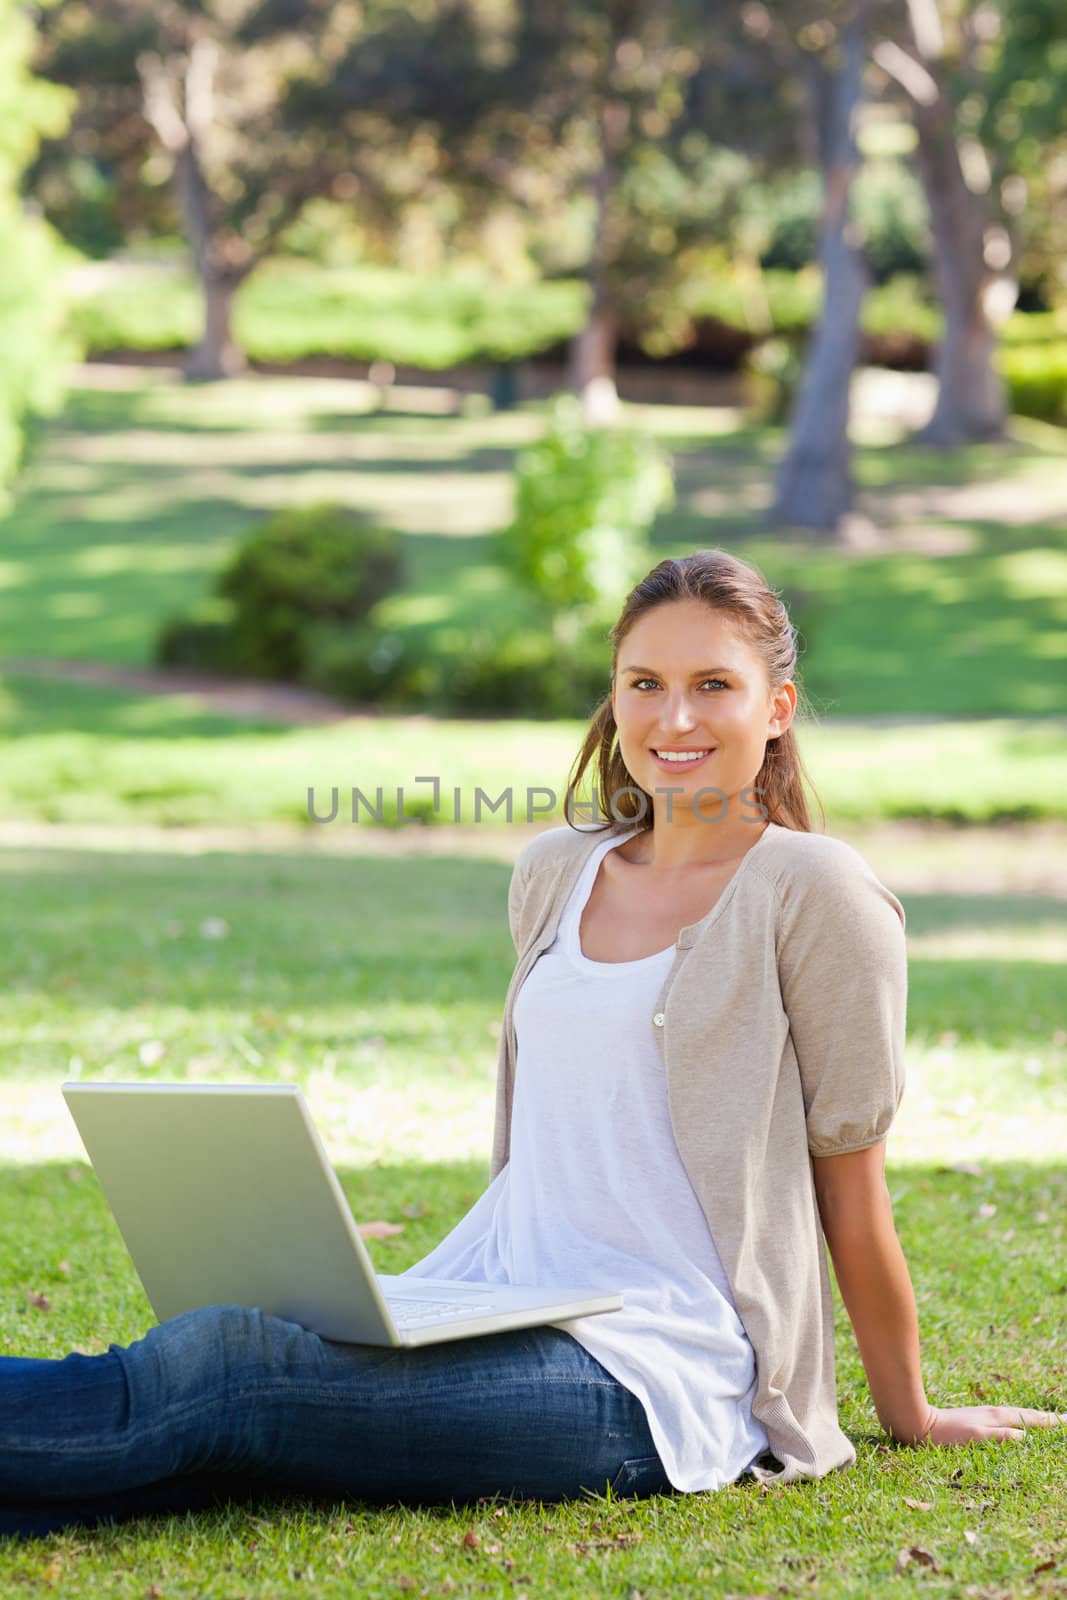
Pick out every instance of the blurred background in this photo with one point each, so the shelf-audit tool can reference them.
(358, 357)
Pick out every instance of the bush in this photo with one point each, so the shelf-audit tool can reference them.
(367, 665)
(772, 375)
(320, 567)
(201, 641)
(529, 674)
(1036, 377)
(584, 502)
(318, 564)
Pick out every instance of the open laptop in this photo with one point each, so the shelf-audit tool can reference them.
(224, 1195)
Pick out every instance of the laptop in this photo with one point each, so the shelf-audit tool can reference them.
(224, 1195)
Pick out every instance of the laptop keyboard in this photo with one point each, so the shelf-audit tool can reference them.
(410, 1313)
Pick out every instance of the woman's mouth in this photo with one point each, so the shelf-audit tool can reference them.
(682, 760)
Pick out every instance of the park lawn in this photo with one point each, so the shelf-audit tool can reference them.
(79, 753)
(136, 493)
(171, 967)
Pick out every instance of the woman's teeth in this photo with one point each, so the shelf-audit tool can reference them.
(679, 758)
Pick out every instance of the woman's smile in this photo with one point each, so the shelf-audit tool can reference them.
(681, 762)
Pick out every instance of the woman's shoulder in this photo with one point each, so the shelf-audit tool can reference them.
(553, 846)
(799, 861)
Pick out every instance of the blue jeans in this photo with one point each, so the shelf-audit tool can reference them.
(230, 1404)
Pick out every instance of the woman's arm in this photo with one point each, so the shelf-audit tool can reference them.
(872, 1275)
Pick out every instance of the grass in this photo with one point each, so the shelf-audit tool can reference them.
(169, 966)
(76, 753)
(135, 495)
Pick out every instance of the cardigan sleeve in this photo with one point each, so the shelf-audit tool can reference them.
(516, 891)
(842, 967)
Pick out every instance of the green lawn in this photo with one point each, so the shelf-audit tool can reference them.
(76, 753)
(232, 967)
(135, 495)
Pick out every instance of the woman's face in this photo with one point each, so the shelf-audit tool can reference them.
(686, 680)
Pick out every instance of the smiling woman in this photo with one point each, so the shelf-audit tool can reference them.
(700, 1058)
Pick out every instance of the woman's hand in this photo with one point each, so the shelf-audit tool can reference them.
(958, 1424)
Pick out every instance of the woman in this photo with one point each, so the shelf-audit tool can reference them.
(708, 1007)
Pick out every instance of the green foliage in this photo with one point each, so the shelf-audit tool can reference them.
(584, 502)
(200, 641)
(291, 309)
(1036, 376)
(773, 371)
(30, 311)
(528, 674)
(888, 205)
(364, 664)
(319, 564)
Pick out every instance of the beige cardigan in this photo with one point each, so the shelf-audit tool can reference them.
(781, 1027)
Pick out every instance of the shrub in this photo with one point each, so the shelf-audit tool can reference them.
(314, 568)
(201, 641)
(772, 375)
(320, 563)
(585, 499)
(1036, 377)
(528, 674)
(367, 665)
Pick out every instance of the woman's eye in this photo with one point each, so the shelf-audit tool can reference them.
(639, 681)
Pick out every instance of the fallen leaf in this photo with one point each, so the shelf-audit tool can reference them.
(41, 1301)
(406, 1582)
(471, 1539)
(64, 1268)
(155, 1592)
(53, 1572)
(987, 1210)
(970, 1536)
(918, 1505)
(916, 1553)
(380, 1230)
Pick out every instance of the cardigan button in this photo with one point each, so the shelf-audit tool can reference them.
(658, 1019)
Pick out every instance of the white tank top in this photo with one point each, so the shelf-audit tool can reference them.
(594, 1193)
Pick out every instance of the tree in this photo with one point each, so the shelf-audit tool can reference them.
(28, 307)
(579, 114)
(201, 84)
(814, 485)
(973, 248)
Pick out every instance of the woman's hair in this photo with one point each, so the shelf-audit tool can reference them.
(740, 592)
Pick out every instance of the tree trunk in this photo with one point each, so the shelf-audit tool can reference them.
(591, 373)
(179, 103)
(813, 487)
(970, 395)
(592, 364)
(217, 355)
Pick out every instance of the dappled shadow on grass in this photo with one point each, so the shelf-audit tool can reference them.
(350, 934)
(43, 706)
(329, 953)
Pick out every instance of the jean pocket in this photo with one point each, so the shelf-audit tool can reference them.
(639, 1477)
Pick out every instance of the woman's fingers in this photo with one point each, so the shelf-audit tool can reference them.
(1021, 1416)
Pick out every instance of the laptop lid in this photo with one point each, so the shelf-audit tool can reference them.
(224, 1195)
